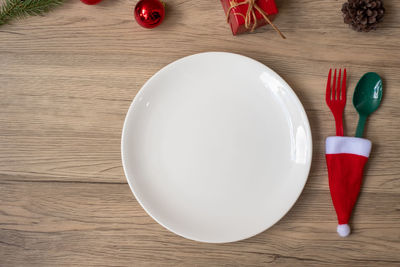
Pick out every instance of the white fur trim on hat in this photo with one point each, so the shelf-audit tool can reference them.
(343, 230)
(348, 145)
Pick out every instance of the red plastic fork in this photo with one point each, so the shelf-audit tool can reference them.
(336, 98)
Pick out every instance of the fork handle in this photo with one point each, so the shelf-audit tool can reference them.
(339, 123)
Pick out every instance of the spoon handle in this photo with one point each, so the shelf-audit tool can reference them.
(361, 125)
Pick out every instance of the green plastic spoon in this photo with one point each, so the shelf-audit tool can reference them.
(367, 98)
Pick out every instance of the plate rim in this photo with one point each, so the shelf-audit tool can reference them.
(298, 104)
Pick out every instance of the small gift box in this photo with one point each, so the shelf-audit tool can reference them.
(247, 15)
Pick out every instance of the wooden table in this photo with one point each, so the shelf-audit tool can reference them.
(66, 83)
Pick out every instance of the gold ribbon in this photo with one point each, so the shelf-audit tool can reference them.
(250, 14)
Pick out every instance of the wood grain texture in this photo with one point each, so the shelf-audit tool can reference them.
(66, 83)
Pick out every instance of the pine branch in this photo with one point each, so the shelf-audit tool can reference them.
(11, 9)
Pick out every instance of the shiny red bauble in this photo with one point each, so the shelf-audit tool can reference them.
(91, 2)
(149, 13)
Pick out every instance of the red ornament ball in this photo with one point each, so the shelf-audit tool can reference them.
(149, 13)
(91, 2)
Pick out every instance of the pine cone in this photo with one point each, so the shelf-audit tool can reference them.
(363, 15)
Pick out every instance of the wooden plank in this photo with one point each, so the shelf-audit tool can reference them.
(56, 223)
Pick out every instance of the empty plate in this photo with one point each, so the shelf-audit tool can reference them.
(216, 147)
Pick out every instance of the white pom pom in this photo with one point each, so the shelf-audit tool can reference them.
(343, 230)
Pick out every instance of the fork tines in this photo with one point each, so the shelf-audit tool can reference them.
(336, 92)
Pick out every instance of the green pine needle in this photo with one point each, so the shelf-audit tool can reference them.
(11, 9)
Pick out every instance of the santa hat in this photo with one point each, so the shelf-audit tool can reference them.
(345, 158)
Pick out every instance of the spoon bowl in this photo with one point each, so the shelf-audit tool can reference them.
(367, 98)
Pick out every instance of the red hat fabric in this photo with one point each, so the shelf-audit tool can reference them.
(345, 158)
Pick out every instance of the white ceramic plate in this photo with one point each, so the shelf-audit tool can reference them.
(216, 147)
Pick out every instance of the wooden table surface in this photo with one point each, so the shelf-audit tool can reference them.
(67, 80)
